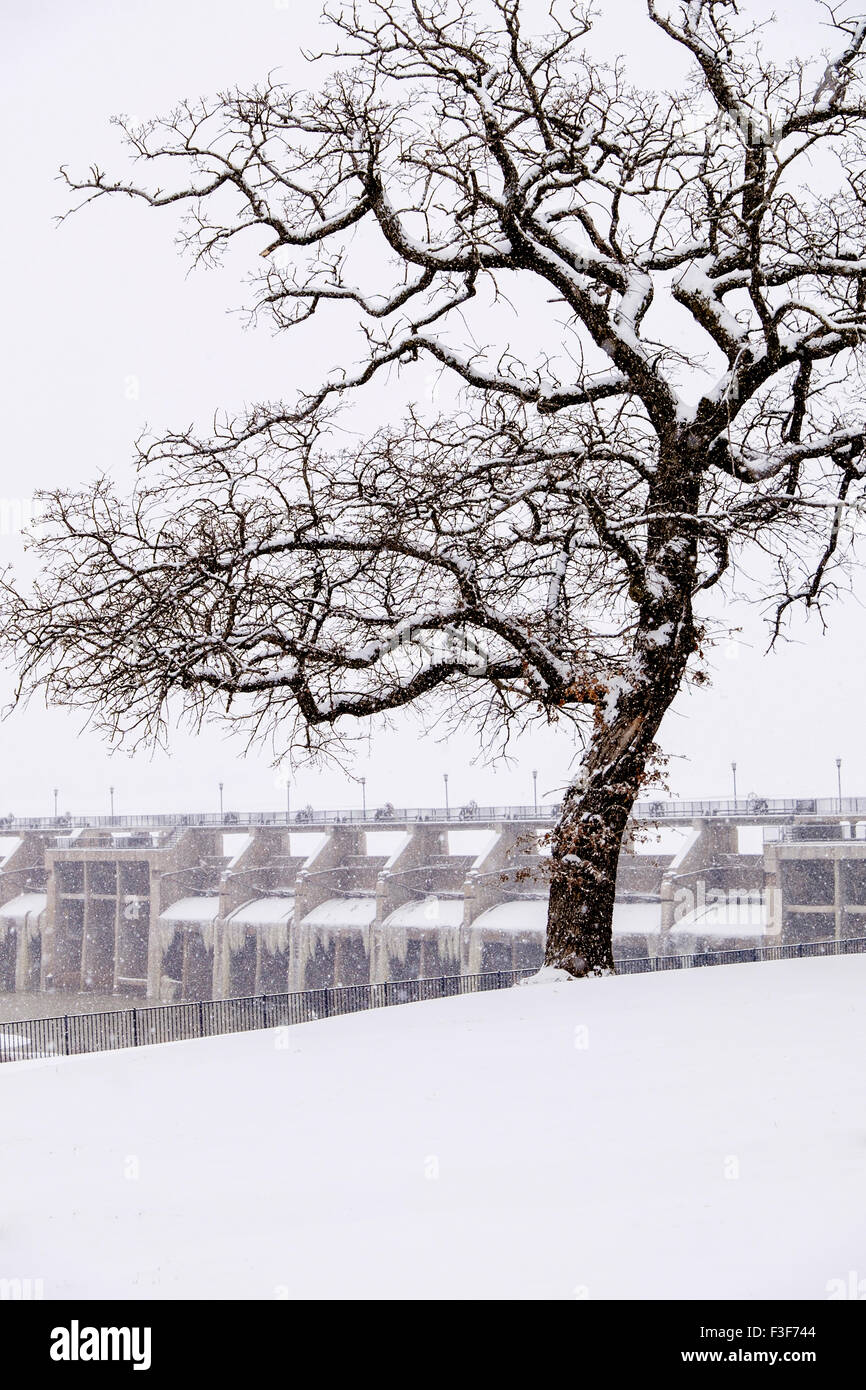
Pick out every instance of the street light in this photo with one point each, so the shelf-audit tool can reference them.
(55, 803)
(839, 780)
(734, 771)
(447, 807)
(535, 789)
(288, 802)
(111, 795)
(364, 796)
(221, 800)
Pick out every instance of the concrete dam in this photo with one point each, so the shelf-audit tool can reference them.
(205, 907)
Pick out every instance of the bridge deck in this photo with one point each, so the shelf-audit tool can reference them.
(753, 811)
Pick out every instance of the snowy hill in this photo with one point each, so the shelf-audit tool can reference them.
(698, 1134)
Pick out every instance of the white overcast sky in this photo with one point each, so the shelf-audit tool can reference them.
(105, 299)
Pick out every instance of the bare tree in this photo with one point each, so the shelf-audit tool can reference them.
(542, 550)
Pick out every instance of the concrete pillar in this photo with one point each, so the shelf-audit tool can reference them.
(378, 948)
(118, 927)
(667, 909)
(22, 958)
(425, 843)
(49, 932)
(154, 948)
(773, 900)
(230, 896)
(222, 961)
(296, 979)
(86, 925)
(470, 898)
(470, 912)
(321, 874)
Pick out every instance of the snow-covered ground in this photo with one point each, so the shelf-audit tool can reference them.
(697, 1134)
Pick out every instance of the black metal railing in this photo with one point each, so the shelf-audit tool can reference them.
(72, 1034)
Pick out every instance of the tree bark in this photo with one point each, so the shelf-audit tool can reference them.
(588, 838)
(596, 808)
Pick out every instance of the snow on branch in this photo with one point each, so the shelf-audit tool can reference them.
(654, 318)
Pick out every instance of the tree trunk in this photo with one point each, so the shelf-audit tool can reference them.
(596, 808)
(587, 840)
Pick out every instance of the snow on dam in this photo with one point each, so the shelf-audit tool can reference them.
(210, 912)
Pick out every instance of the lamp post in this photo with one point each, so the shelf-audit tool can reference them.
(364, 797)
(734, 773)
(288, 802)
(221, 800)
(447, 807)
(111, 798)
(535, 789)
(839, 781)
(55, 803)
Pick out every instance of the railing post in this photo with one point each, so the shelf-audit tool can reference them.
(66, 1034)
(201, 1018)
(134, 1027)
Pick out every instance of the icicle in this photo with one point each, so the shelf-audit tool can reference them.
(167, 934)
(275, 937)
(236, 936)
